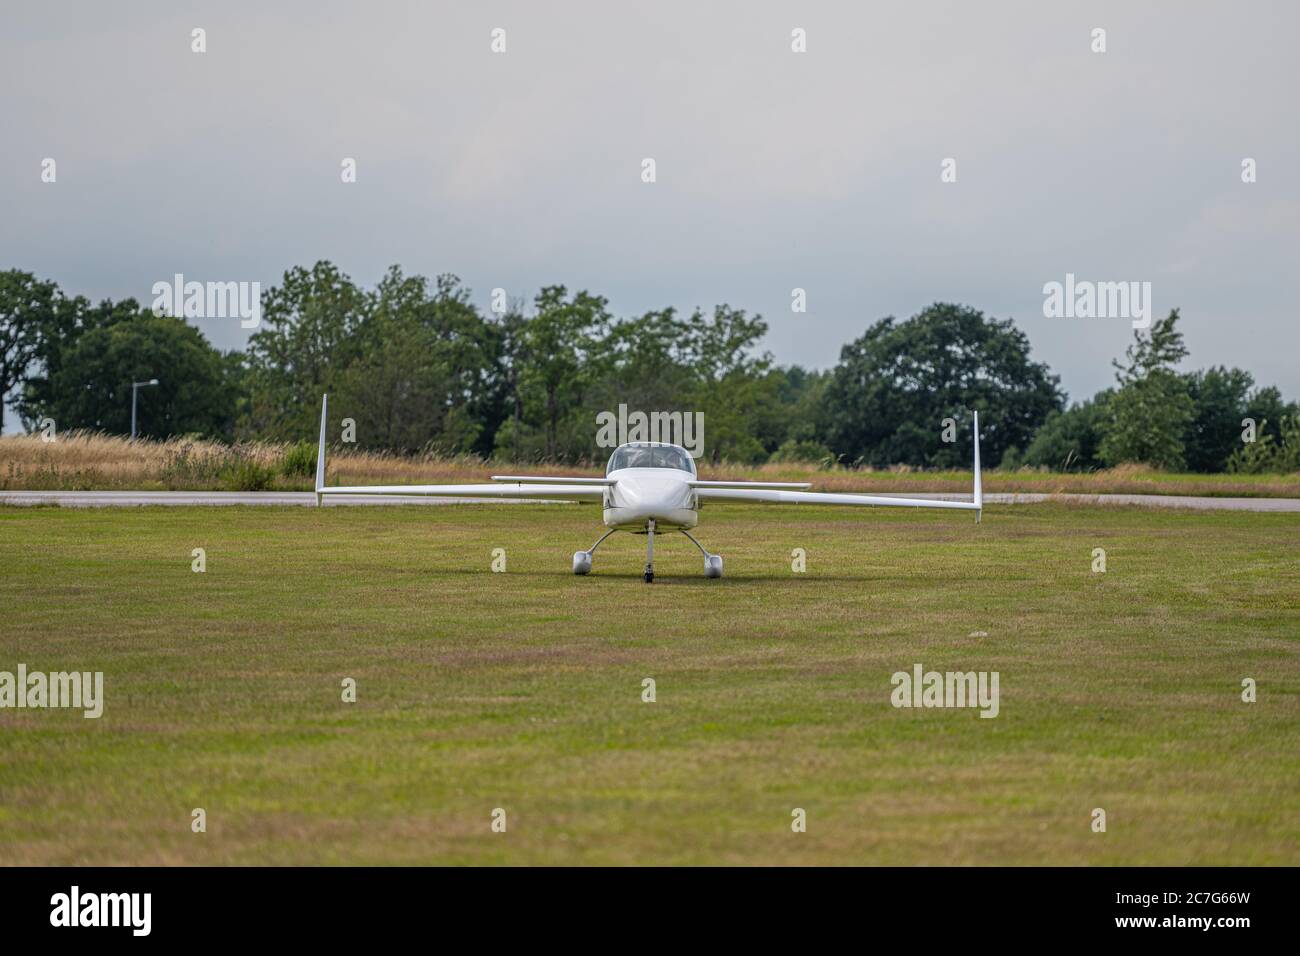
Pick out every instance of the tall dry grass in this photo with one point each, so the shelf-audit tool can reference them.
(83, 460)
(86, 461)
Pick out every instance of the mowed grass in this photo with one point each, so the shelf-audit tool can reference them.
(522, 690)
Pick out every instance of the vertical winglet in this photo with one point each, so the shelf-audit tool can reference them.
(979, 488)
(320, 451)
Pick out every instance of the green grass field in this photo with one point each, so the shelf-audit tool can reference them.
(522, 690)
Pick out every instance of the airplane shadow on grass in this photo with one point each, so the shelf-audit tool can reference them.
(595, 579)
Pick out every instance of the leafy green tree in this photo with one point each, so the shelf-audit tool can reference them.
(62, 329)
(560, 339)
(26, 310)
(1267, 410)
(789, 421)
(1152, 410)
(887, 399)
(638, 363)
(234, 371)
(1069, 440)
(802, 451)
(423, 375)
(731, 386)
(311, 332)
(512, 358)
(92, 387)
(642, 363)
(416, 366)
(662, 362)
(71, 319)
(37, 322)
(1220, 398)
(1270, 452)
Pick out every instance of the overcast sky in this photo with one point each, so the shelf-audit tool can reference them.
(775, 169)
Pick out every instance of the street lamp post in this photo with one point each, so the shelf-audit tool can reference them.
(135, 391)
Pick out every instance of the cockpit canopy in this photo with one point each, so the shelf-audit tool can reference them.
(650, 455)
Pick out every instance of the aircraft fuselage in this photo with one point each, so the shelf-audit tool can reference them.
(641, 495)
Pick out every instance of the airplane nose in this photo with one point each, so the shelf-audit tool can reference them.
(650, 493)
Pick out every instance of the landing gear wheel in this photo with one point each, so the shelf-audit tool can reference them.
(649, 575)
(582, 559)
(712, 562)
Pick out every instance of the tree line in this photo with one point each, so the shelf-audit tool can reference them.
(418, 368)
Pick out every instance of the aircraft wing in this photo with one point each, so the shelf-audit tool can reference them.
(541, 492)
(503, 486)
(556, 480)
(777, 496)
(775, 493)
(750, 484)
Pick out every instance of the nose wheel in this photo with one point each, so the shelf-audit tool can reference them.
(649, 576)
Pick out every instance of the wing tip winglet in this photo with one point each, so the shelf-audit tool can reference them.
(320, 450)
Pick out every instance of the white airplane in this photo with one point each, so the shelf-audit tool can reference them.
(648, 487)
